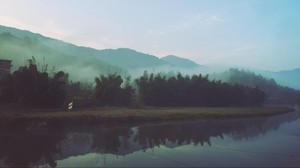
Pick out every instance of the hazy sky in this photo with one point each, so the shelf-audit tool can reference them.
(261, 34)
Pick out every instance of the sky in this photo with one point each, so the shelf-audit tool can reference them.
(262, 34)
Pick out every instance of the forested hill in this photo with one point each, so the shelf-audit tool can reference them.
(277, 94)
(84, 63)
(289, 78)
(129, 59)
(19, 50)
(123, 58)
(180, 62)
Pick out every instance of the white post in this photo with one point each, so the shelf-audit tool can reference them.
(70, 107)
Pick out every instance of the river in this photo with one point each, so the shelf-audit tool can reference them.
(239, 142)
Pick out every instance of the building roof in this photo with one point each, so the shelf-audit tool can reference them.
(5, 65)
(5, 60)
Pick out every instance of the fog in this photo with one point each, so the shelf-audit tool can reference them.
(19, 50)
(84, 64)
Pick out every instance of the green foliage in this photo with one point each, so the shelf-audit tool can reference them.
(28, 87)
(81, 94)
(109, 92)
(157, 90)
(81, 63)
(6, 89)
(276, 94)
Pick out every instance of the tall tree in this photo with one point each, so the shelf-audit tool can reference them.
(181, 90)
(29, 87)
(109, 92)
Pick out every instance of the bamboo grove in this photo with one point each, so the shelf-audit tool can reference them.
(157, 90)
(30, 87)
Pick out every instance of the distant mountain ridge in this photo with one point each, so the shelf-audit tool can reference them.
(129, 59)
(19, 50)
(180, 62)
(289, 78)
(123, 57)
(85, 63)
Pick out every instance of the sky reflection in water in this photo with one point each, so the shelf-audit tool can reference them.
(262, 141)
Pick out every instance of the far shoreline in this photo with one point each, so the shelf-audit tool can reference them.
(116, 116)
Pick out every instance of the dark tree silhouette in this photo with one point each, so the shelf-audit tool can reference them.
(109, 92)
(31, 88)
(157, 90)
(276, 94)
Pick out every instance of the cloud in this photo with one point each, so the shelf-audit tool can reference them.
(98, 42)
(154, 32)
(200, 19)
(154, 46)
(209, 19)
(186, 24)
(231, 55)
(110, 42)
(12, 22)
(81, 41)
(47, 28)
(52, 29)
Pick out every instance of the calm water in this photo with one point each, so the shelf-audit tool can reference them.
(264, 141)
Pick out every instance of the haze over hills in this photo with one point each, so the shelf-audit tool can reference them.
(180, 62)
(20, 45)
(84, 63)
(129, 59)
(21, 49)
(289, 78)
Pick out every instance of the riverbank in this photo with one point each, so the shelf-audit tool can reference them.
(129, 115)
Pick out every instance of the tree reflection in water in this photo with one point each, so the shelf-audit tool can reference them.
(32, 147)
(108, 140)
(45, 146)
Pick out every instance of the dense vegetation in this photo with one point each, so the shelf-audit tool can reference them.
(157, 90)
(276, 94)
(30, 87)
(78, 62)
(108, 91)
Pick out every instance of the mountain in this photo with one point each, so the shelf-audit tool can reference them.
(276, 94)
(123, 57)
(81, 62)
(21, 33)
(290, 78)
(129, 59)
(85, 63)
(19, 50)
(180, 62)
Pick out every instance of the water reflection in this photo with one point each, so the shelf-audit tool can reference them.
(30, 148)
(35, 145)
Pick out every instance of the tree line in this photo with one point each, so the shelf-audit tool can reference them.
(175, 91)
(276, 94)
(30, 87)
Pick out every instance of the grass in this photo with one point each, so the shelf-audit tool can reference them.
(125, 115)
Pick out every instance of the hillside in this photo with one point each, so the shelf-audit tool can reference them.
(289, 78)
(276, 94)
(84, 63)
(180, 62)
(21, 49)
(129, 59)
(123, 58)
